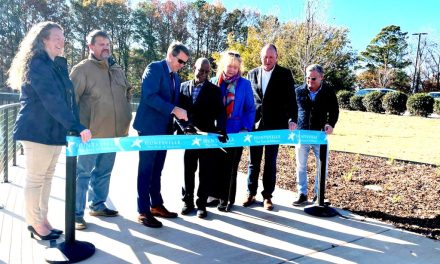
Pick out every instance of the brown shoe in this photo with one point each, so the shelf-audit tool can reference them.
(267, 204)
(250, 199)
(161, 211)
(149, 220)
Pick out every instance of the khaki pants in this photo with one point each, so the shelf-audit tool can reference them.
(41, 160)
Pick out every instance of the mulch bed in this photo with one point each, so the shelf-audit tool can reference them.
(406, 194)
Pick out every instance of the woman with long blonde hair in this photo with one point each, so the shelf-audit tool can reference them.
(48, 110)
(240, 111)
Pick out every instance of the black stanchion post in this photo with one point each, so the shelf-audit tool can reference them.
(72, 249)
(322, 173)
(70, 198)
(321, 209)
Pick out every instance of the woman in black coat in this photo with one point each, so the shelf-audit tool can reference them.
(48, 110)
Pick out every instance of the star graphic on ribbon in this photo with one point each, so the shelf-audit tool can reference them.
(69, 147)
(196, 141)
(291, 136)
(137, 142)
(247, 138)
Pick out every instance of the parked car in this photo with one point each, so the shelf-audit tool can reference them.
(365, 91)
(434, 94)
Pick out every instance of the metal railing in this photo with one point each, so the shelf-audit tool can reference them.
(9, 98)
(135, 103)
(8, 147)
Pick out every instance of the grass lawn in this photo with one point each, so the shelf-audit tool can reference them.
(395, 137)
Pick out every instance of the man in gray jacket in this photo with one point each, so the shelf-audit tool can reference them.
(102, 94)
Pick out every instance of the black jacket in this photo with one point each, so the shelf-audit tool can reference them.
(278, 105)
(48, 108)
(208, 112)
(314, 115)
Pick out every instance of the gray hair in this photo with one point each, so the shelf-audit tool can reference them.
(176, 47)
(315, 67)
(269, 46)
(91, 37)
(31, 45)
(201, 61)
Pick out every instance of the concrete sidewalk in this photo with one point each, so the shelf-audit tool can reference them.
(246, 235)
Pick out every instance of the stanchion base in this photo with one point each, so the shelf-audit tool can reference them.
(72, 252)
(321, 211)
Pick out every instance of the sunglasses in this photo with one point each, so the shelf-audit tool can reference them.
(309, 78)
(180, 61)
(234, 54)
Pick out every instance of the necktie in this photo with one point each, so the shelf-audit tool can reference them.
(173, 89)
(172, 79)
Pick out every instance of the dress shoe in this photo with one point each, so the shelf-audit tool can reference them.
(56, 231)
(187, 208)
(202, 213)
(161, 211)
(249, 200)
(212, 202)
(53, 230)
(267, 204)
(50, 236)
(106, 212)
(80, 223)
(222, 205)
(149, 220)
(302, 199)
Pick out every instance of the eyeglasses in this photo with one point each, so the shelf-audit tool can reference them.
(180, 61)
(234, 54)
(309, 78)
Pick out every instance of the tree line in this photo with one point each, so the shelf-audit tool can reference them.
(141, 34)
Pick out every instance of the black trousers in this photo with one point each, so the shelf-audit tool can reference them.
(227, 180)
(204, 159)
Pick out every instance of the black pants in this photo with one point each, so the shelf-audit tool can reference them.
(270, 169)
(205, 159)
(227, 180)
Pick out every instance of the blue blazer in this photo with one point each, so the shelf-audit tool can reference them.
(158, 98)
(243, 114)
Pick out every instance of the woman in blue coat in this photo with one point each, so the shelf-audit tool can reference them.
(48, 110)
(240, 111)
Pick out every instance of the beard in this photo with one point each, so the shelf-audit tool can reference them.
(105, 54)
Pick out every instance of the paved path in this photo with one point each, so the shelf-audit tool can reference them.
(246, 235)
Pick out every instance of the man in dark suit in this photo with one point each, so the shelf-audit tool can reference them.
(206, 112)
(274, 95)
(157, 108)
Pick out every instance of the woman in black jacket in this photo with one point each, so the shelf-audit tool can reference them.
(48, 110)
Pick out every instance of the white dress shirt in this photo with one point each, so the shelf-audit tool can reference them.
(265, 77)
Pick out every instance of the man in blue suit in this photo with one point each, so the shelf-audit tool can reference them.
(157, 108)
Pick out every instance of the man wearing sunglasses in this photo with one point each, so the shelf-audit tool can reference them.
(274, 96)
(155, 114)
(318, 109)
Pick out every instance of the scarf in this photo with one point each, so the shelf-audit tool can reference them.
(229, 99)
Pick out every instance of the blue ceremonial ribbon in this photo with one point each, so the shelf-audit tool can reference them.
(166, 142)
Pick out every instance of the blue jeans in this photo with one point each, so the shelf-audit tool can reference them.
(269, 173)
(302, 154)
(93, 175)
